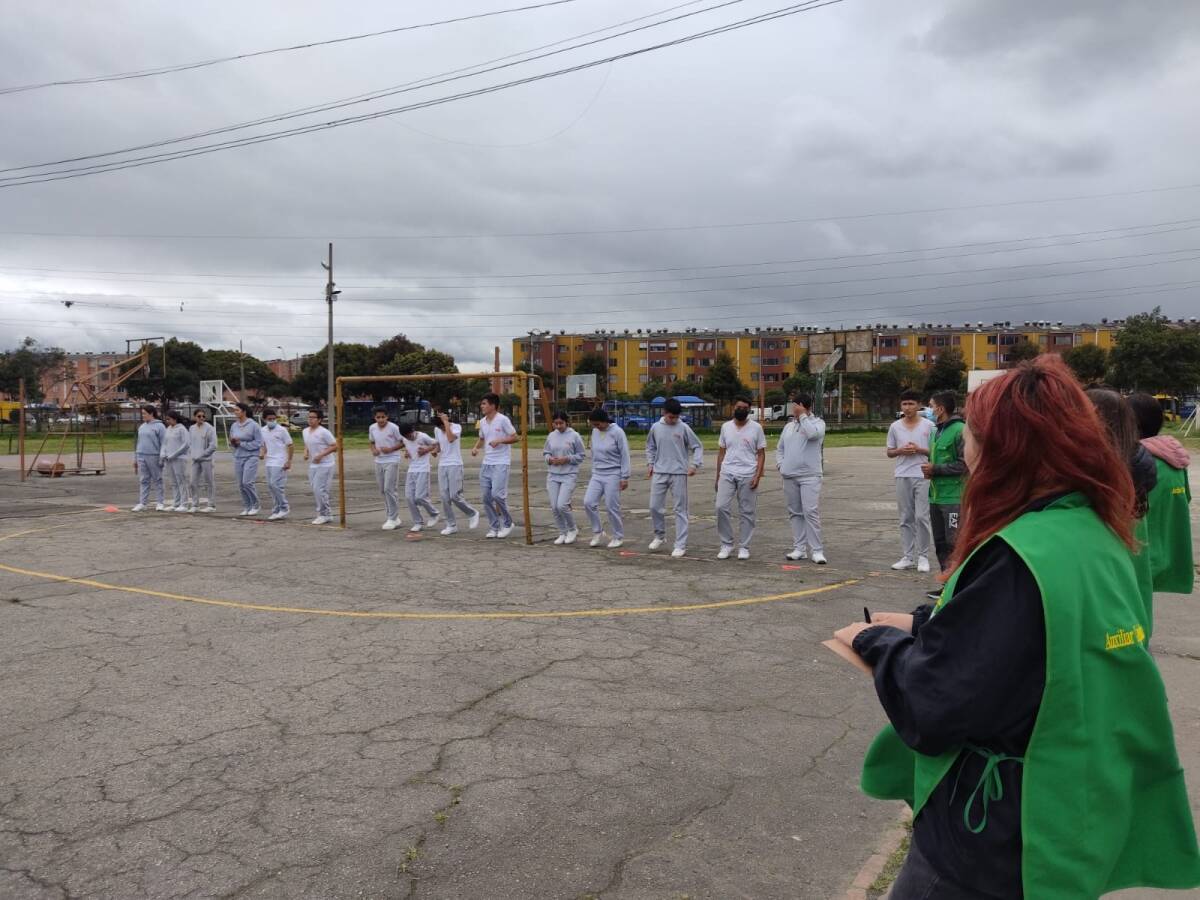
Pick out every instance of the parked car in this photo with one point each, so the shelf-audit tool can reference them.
(771, 413)
(299, 419)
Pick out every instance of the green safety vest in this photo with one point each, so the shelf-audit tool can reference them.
(945, 489)
(1143, 572)
(1170, 531)
(1103, 801)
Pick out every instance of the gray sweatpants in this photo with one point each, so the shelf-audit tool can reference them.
(678, 486)
(803, 499)
(319, 479)
(606, 487)
(149, 477)
(560, 488)
(387, 476)
(202, 484)
(493, 484)
(450, 487)
(912, 497)
(177, 469)
(416, 493)
(277, 478)
(728, 488)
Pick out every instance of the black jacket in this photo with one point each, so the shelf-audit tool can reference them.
(973, 674)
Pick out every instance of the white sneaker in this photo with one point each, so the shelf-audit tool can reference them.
(796, 554)
(433, 523)
(390, 525)
(160, 507)
(504, 532)
(615, 543)
(560, 540)
(417, 527)
(724, 552)
(209, 508)
(180, 508)
(192, 507)
(678, 552)
(138, 507)
(656, 543)
(819, 558)
(922, 563)
(597, 539)
(572, 535)
(204, 501)
(449, 530)
(321, 520)
(252, 512)
(473, 522)
(743, 553)
(491, 534)
(244, 512)
(275, 515)
(902, 564)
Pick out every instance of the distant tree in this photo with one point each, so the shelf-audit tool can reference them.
(1089, 362)
(722, 382)
(385, 351)
(802, 364)
(653, 389)
(593, 364)
(425, 362)
(29, 361)
(348, 359)
(228, 365)
(1023, 350)
(686, 389)
(776, 397)
(947, 371)
(185, 367)
(1152, 355)
(881, 387)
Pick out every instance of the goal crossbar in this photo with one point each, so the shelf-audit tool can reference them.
(524, 379)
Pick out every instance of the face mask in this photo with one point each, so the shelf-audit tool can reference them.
(271, 424)
(741, 414)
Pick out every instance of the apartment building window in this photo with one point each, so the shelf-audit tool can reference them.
(562, 363)
(771, 361)
(658, 348)
(674, 345)
(754, 360)
(920, 357)
(1064, 340)
(754, 345)
(941, 340)
(991, 356)
(786, 345)
(1042, 339)
(920, 342)
(891, 357)
(612, 362)
(643, 378)
(600, 348)
(769, 345)
(754, 376)
(524, 348)
(770, 378)
(1009, 340)
(888, 342)
(691, 345)
(903, 342)
(709, 345)
(642, 345)
(642, 362)
(690, 361)
(991, 340)
(671, 377)
(612, 379)
(705, 363)
(957, 340)
(658, 363)
(721, 344)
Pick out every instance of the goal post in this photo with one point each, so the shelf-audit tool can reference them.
(524, 379)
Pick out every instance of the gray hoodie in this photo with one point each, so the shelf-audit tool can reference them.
(668, 448)
(150, 438)
(203, 441)
(568, 444)
(610, 452)
(798, 453)
(175, 442)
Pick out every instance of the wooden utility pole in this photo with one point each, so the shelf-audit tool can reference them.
(330, 296)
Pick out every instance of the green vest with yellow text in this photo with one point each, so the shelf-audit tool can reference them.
(1170, 531)
(1103, 800)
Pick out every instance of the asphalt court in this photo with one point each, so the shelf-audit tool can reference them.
(210, 706)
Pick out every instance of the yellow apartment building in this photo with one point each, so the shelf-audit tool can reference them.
(767, 356)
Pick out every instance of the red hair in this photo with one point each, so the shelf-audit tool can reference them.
(1039, 435)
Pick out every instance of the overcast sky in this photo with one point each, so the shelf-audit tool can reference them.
(856, 121)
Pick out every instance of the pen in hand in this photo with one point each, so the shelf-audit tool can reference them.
(866, 615)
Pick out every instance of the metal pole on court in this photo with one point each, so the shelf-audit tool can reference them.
(339, 436)
(525, 459)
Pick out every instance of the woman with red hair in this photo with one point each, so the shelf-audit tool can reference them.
(1029, 726)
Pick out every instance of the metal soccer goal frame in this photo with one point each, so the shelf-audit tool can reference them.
(525, 380)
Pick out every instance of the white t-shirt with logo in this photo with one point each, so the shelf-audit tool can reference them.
(499, 427)
(449, 452)
(276, 440)
(741, 447)
(388, 436)
(319, 441)
(417, 462)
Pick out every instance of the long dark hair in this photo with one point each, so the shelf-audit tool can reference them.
(1121, 428)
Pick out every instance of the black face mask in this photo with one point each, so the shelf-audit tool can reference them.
(741, 414)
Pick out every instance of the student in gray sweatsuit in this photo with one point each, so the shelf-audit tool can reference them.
(563, 454)
(202, 439)
(798, 459)
(147, 457)
(610, 476)
(673, 454)
(174, 458)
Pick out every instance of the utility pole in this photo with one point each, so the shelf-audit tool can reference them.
(330, 296)
(242, 372)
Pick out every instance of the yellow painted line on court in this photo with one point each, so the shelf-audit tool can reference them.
(421, 616)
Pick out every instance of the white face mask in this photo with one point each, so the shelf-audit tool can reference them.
(271, 423)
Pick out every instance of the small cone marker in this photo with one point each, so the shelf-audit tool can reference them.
(111, 509)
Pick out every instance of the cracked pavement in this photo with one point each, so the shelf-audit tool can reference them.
(165, 749)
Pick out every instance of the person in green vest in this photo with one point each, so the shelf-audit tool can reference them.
(1029, 728)
(946, 471)
(1169, 521)
(1120, 427)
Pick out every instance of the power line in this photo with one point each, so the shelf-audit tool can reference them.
(483, 68)
(220, 60)
(1166, 226)
(205, 149)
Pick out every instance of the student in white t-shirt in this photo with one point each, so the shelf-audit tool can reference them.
(319, 447)
(908, 443)
(277, 450)
(497, 434)
(417, 448)
(741, 457)
(386, 445)
(450, 473)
